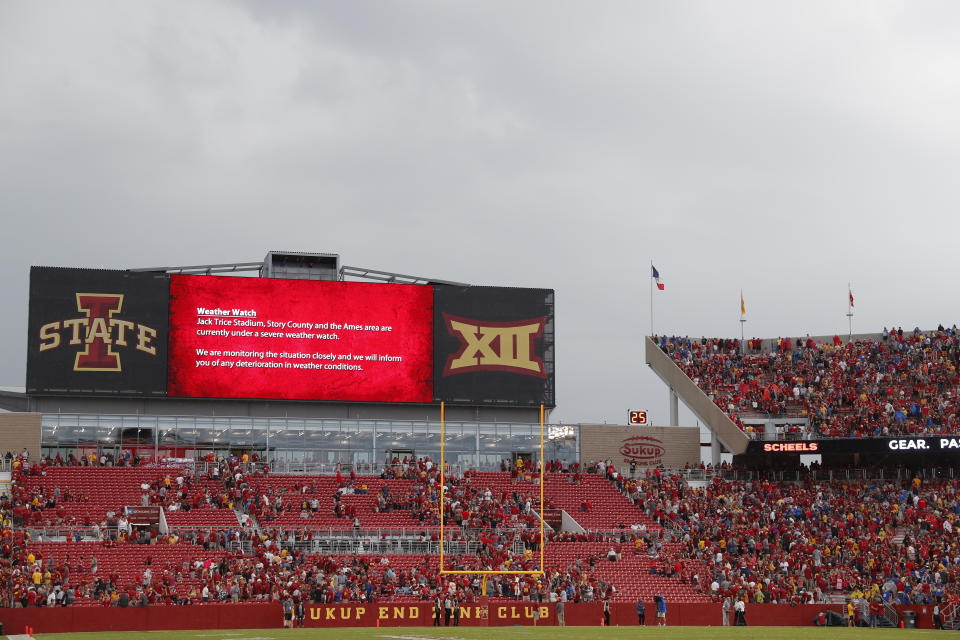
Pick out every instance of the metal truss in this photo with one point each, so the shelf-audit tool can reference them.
(345, 272)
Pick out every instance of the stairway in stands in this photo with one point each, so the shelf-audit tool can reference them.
(6, 484)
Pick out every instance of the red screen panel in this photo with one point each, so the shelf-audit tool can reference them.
(236, 337)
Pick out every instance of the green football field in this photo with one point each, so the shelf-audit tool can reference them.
(511, 633)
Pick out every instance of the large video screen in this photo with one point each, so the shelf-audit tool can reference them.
(99, 332)
(494, 345)
(297, 339)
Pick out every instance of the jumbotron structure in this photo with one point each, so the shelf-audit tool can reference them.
(188, 436)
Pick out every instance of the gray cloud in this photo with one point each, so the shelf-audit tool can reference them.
(779, 148)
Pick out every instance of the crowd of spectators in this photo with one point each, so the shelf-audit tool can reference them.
(879, 542)
(903, 383)
(761, 541)
(264, 565)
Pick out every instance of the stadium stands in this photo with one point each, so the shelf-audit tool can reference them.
(802, 542)
(899, 383)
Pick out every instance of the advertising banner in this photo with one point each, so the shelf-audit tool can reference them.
(97, 331)
(494, 345)
(300, 339)
(893, 447)
(670, 447)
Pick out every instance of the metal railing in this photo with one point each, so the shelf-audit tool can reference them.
(948, 615)
(398, 546)
(627, 535)
(87, 534)
(801, 475)
(890, 613)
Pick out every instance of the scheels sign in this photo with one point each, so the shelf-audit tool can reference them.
(792, 447)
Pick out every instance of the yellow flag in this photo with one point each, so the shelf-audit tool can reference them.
(743, 308)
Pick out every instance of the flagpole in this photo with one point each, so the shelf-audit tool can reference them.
(742, 320)
(849, 314)
(651, 299)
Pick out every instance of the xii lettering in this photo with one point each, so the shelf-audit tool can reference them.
(495, 346)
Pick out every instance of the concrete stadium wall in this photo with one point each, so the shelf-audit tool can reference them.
(583, 614)
(19, 431)
(672, 447)
(269, 616)
(155, 618)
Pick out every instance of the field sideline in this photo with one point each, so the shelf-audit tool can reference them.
(505, 633)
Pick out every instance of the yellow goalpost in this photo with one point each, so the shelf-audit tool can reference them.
(543, 465)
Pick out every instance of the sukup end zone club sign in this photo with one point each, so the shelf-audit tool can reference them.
(421, 615)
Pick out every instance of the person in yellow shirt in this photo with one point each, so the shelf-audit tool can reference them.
(850, 614)
(37, 577)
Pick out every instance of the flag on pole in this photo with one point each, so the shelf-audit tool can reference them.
(850, 291)
(656, 277)
(743, 308)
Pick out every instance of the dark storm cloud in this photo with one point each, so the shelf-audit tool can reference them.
(780, 148)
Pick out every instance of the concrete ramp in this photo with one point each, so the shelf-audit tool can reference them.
(727, 432)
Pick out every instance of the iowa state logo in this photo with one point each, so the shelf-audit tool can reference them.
(495, 346)
(98, 333)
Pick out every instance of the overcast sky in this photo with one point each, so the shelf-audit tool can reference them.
(783, 148)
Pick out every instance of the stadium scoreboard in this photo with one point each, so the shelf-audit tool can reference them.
(99, 332)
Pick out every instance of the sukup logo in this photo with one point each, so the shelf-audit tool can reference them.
(98, 332)
(495, 346)
(642, 449)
